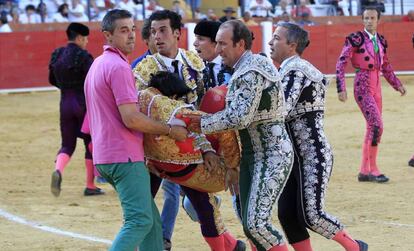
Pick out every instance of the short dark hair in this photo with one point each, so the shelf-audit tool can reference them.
(30, 7)
(372, 8)
(76, 29)
(3, 18)
(146, 29)
(295, 34)
(175, 19)
(169, 84)
(62, 7)
(240, 32)
(108, 22)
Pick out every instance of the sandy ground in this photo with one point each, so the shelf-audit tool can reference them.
(380, 214)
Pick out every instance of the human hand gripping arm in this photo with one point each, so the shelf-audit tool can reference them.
(244, 98)
(211, 160)
(346, 54)
(135, 120)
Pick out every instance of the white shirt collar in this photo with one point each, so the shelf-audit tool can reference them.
(369, 34)
(216, 60)
(168, 61)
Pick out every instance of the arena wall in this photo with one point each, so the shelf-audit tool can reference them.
(24, 55)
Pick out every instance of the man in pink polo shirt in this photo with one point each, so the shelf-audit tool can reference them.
(116, 127)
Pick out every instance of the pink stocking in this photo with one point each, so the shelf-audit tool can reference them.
(365, 164)
(89, 174)
(62, 159)
(216, 243)
(282, 247)
(229, 241)
(373, 161)
(343, 238)
(304, 245)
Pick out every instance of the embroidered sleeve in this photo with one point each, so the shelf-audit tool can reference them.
(346, 54)
(293, 86)
(242, 103)
(389, 74)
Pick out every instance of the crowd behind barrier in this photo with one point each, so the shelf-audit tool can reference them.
(14, 12)
(29, 50)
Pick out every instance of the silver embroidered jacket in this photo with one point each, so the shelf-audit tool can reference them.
(254, 97)
(304, 87)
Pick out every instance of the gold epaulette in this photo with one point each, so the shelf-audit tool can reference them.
(193, 60)
(143, 71)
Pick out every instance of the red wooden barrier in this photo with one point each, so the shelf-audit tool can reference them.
(24, 56)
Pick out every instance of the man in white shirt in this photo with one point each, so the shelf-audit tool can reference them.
(30, 16)
(260, 8)
(4, 26)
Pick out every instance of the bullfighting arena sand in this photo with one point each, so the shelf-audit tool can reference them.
(32, 219)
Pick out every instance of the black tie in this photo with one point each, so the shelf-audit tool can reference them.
(211, 73)
(175, 65)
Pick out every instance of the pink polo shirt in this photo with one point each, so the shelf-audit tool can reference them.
(110, 83)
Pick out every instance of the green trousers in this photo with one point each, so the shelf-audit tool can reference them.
(267, 157)
(142, 223)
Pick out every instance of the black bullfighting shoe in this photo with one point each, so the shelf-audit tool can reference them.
(362, 245)
(411, 162)
(55, 186)
(379, 179)
(363, 177)
(92, 191)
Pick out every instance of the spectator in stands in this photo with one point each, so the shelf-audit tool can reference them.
(6, 6)
(4, 26)
(409, 17)
(228, 14)
(77, 12)
(284, 17)
(211, 15)
(344, 8)
(297, 11)
(62, 15)
(332, 6)
(177, 9)
(247, 19)
(152, 7)
(99, 8)
(305, 21)
(41, 10)
(30, 16)
(14, 17)
(194, 4)
(52, 7)
(130, 6)
(282, 8)
(24, 3)
(379, 4)
(199, 15)
(260, 8)
(274, 3)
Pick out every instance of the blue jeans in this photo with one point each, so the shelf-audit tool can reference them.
(142, 223)
(170, 207)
